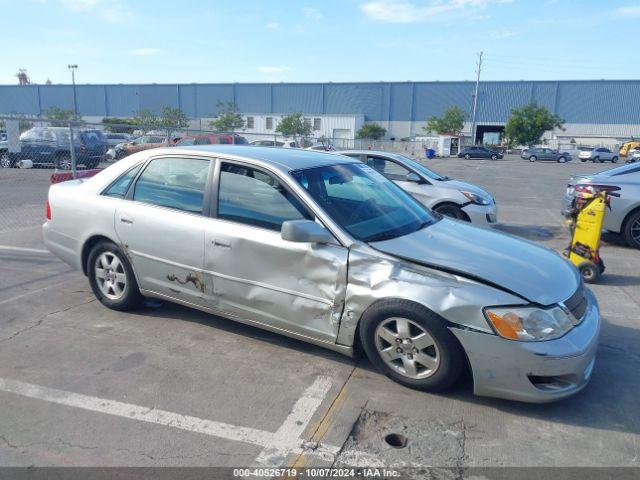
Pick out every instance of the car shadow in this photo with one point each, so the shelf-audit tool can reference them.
(531, 232)
(609, 402)
(615, 280)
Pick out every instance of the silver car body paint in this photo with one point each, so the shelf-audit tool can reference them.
(318, 293)
(434, 192)
(627, 177)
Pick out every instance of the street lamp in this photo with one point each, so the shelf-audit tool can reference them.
(73, 81)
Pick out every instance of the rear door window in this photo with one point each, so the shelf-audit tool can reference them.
(389, 169)
(120, 187)
(173, 182)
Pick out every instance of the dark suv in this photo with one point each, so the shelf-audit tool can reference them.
(479, 152)
(46, 146)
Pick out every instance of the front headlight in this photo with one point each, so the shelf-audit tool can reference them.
(476, 198)
(529, 324)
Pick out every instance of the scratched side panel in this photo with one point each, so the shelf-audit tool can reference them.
(252, 273)
(165, 247)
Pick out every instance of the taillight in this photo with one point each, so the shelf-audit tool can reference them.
(48, 209)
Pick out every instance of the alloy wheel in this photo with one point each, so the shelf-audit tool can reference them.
(5, 161)
(407, 348)
(110, 276)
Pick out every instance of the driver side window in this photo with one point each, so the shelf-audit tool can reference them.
(256, 198)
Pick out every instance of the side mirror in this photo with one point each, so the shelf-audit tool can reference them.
(413, 177)
(305, 231)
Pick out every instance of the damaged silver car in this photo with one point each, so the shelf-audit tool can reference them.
(324, 248)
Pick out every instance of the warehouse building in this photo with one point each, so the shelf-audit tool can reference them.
(594, 111)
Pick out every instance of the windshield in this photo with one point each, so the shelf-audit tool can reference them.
(363, 202)
(419, 167)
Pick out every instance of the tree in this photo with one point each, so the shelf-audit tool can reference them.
(294, 125)
(119, 125)
(172, 119)
(372, 131)
(228, 119)
(146, 120)
(527, 124)
(58, 116)
(452, 121)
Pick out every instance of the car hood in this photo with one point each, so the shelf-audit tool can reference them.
(519, 266)
(467, 187)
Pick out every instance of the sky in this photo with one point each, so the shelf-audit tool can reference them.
(198, 41)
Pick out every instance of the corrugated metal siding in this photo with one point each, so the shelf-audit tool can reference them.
(288, 98)
(432, 99)
(17, 99)
(497, 99)
(594, 102)
(369, 99)
(599, 102)
(56, 96)
(122, 100)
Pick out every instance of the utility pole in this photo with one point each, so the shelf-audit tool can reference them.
(75, 97)
(475, 99)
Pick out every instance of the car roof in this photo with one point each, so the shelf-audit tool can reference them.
(282, 159)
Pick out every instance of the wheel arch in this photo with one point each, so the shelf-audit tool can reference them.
(441, 203)
(628, 216)
(88, 245)
(358, 348)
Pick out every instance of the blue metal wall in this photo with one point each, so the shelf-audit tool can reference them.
(596, 102)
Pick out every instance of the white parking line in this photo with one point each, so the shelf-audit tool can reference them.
(276, 446)
(287, 438)
(23, 249)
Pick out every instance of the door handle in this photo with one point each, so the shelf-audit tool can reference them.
(126, 220)
(221, 244)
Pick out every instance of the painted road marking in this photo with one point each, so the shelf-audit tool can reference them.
(23, 249)
(288, 436)
(276, 446)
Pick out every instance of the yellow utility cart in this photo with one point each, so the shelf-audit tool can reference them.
(585, 223)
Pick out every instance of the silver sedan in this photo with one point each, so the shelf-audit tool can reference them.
(325, 249)
(447, 196)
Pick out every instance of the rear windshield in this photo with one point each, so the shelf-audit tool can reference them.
(621, 170)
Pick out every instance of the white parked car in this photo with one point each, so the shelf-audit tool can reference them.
(441, 194)
(598, 154)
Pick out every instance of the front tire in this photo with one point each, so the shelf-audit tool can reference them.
(63, 162)
(562, 160)
(411, 345)
(494, 157)
(467, 156)
(533, 158)
(111, 277)
(614, 160)
(5, 160)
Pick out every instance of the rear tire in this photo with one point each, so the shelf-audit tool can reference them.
(390, 326)
(111, 277)
(467, 156)
(598, 159)
(631, 230)
(452, 210)
(614, 160)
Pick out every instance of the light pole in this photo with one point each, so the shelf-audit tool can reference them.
(475, 100)
(73, 81)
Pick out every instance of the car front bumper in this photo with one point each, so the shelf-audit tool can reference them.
(536, 372)
(482, 215)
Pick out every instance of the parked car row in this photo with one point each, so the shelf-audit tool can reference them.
(51, 146)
